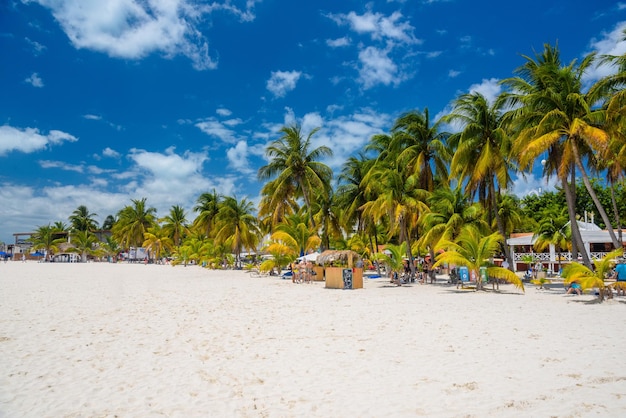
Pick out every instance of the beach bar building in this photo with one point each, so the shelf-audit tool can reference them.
(597, 244)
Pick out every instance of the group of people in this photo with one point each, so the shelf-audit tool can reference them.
(302, 272)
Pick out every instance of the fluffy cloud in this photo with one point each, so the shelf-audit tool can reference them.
(376, 67)
(379, 26)
(217, 129)
(34, 80)
(29, 140)
(337, 43)
(282, 82)
(133, 29)
(391, 38)
(610, 43)
(490, 88)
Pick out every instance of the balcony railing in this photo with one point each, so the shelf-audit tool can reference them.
(545, 257)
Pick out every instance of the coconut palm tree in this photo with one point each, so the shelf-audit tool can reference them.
(592, 278)
(554, 117)
(295, 168)
(85, 243)
(474, 250)
(481, 158)
(46, 238)
(83, 220)
(156, 240)
(553, 230)
(133, 221)
(175, 224)
(108, 223)
(296, 235)
(419, 147)
(207, 206)
(236, 226)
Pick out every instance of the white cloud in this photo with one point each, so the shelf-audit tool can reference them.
(339, 42)
(282, 82)
(37, 47)
(34, 80)
(111, 153)
(29, 140)
(490, 88)
(453, 73)
(92, 117)
(133, 29)
(610, 43)
(223, 112)
(379, 26)
(61, 165)
(377, 68)
(215, 128)
(238, 158)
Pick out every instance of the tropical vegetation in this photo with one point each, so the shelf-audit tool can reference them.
(425, 185)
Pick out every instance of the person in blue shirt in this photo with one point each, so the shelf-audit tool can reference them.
(620, 270)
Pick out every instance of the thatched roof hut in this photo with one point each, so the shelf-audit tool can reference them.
(343, 257)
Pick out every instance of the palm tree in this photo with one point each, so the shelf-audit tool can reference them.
(553, 230)
(82, 220)
(473, 250)
(133, 222)
(393, 258)
(237, 226)
(351, 195)
(554, 116)
(157, 240)
(592, 278)
(295, 168)
(84, 243)
(207, 206)
(296, 235)
(419, 146)
(175, 224)
(108, 223)
(481, 157)
(46, 238)
(397, 198)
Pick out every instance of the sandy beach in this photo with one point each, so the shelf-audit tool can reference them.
(124, 340)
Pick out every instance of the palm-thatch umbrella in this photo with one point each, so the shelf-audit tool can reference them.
(344, 257)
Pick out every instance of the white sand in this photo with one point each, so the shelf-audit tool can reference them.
(105, 340)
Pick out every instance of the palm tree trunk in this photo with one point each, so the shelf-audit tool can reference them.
(594, 197)
(496, 206)
(618, 221)
(577, 240)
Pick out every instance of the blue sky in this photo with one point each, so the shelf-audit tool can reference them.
(106, 101)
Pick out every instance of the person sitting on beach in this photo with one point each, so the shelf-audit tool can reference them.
(574, 288)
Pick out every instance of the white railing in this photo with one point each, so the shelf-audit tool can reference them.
(545, 257)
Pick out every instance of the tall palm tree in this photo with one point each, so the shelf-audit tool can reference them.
(481, 157)
(350, 193)
(474, 250)
(207, 206)
(108, 223)
(237, 226)
(83, 220)
(420, 147)
(554, 116)
(133, 221)
(295, 168)
(175, 224)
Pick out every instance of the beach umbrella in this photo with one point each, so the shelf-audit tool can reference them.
(309, 257)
